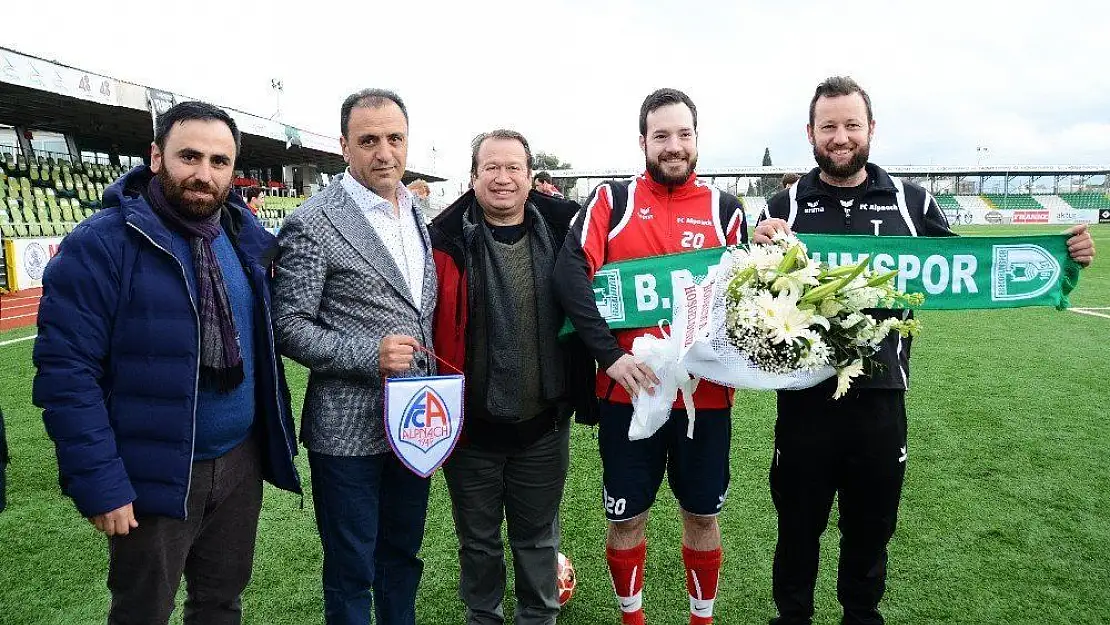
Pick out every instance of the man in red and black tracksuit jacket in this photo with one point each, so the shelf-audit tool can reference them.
(662, 211)
(853, 449)
(497, 319)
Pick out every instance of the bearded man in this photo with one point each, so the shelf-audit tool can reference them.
(664, 210)
(158, 376)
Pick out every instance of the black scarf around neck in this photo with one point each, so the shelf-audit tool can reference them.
(488, 287)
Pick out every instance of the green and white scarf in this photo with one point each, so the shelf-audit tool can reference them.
(954, 273)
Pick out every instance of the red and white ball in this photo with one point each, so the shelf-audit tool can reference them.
(566, 580)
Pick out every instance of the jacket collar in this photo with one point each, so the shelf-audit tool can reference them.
(129, 195)
(686, 187)
(447, 232)
(878, 181)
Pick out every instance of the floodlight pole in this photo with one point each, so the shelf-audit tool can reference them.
(279, 87)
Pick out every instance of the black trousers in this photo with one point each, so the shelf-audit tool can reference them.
(853, 449)
(214, 548)
(523, 488)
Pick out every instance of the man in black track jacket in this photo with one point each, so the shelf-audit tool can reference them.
(854, 447)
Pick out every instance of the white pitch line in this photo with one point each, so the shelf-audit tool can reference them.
(26, 338)
(1089, 312)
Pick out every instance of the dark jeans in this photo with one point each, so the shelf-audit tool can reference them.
(524, 487)
(853, 449)
(213, 547)
(370, 511)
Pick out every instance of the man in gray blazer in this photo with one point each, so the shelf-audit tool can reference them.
(354, 295)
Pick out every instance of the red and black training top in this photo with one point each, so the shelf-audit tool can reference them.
(637, 218)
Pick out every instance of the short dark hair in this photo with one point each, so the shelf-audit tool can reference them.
(663, 97)
(834, 86)
(789, 178)
(369, 98)
(186, 111)
(252, 193)
(543, 176)
(500, 133)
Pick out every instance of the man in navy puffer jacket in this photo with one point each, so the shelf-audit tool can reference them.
(158, 377)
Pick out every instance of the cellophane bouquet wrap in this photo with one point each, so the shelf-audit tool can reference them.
(782, 321)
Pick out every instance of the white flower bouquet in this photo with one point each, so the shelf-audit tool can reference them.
(783, 321)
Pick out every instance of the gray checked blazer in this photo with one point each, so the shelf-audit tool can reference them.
(336, 293)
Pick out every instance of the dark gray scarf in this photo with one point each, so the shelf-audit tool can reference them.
(488, 287)
(221, 363)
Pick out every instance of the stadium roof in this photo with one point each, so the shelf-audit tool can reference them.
(899, 170)
(104, 113)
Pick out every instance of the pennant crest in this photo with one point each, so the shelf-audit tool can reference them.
(423, 420)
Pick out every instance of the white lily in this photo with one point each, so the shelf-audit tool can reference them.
(782, 317)
(844, 377)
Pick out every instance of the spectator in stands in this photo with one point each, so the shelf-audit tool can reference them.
(421, 194)
(354, 294)
(159, 379)
(788, 179)
(542, 182)
(256, 199)
(511, 463)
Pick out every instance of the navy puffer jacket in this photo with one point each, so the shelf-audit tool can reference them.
(117, 357)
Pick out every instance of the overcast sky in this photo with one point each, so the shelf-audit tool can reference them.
(1031, 83)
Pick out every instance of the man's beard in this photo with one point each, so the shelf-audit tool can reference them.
(843, 172)
(655, 169)
(192, 209)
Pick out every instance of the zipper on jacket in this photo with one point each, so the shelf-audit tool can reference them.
(196, 381)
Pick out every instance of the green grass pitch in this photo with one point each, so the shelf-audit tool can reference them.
(1005, 516)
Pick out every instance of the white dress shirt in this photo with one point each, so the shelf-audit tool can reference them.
(398, 230)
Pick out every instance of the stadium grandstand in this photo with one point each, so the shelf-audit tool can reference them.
(981, 195)
(66, 134)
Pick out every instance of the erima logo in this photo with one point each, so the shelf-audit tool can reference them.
(812, 208)
(905, 454)
(609, 298)
(1022, 272)
(847, 203)
(813, 204)
(645, 212)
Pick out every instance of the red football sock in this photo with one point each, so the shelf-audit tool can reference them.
(702, 571)
(626, 567)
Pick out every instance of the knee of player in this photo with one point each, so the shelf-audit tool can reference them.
(698, 522)
(630, 527)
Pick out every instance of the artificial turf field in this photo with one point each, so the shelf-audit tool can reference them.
(1005, 516)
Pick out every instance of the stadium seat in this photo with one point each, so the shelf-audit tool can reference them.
(15, 210)
(1012, 202)
(34, 230)
(8, 163)
(21, 165)
(67, 209)
(33, 173)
